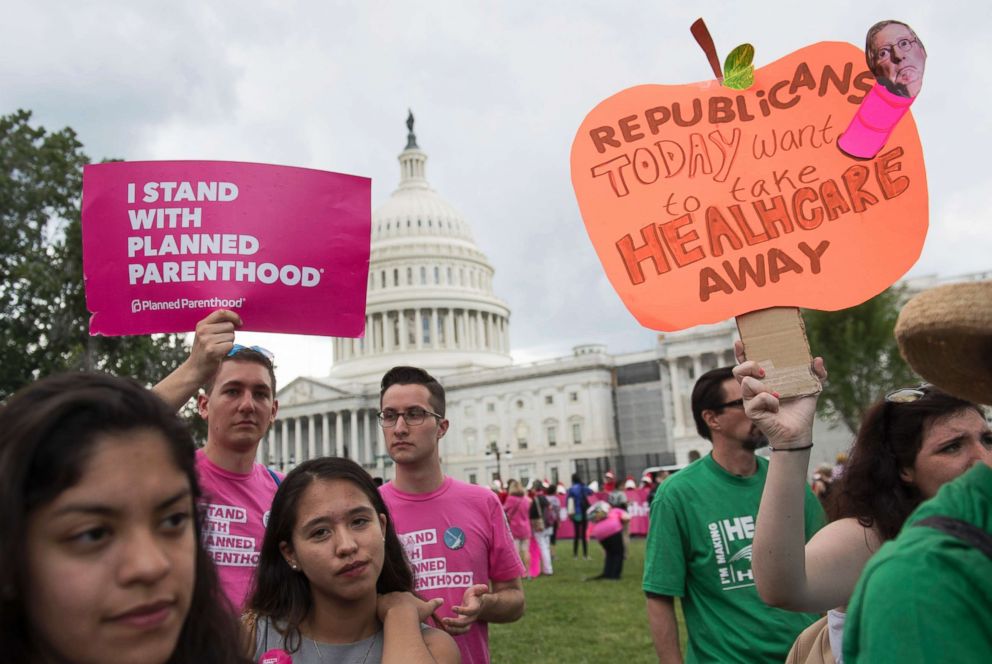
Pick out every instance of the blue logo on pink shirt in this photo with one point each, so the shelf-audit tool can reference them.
(454, 538)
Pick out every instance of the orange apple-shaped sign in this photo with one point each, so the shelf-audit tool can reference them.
(705, 202)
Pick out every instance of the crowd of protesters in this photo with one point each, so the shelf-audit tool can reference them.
(122, 542)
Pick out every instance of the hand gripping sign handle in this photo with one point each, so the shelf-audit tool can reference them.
(775, 338)
(878, 114)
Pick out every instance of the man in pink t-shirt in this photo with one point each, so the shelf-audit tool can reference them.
(239, 405)
(455, 534)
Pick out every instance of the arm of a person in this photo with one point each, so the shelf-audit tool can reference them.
(788, 572)
(404, 641)
(502, 603)
(664, 628)
(213, 340)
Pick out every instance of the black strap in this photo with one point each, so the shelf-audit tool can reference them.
(275, 478)
(962, 530)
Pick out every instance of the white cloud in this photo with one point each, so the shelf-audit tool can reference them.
(498, 91)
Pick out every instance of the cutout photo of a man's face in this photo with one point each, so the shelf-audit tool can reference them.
(896, 57)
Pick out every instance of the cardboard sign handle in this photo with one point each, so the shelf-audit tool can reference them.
(776, 339)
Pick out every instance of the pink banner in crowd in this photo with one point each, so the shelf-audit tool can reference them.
(637, 507)
(167, 242)
(565, 528)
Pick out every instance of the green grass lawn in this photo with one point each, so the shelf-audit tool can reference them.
(572, 620)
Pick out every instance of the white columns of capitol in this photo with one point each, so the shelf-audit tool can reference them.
(283, 443)
(378, 437)
(697, 366)
(311, 436)
(338, 433)
(673, 371)
(418, 329)
(402, 327)
(370, 424)
(325, 435)
(366, 342)
(298, 441)
(435, 343)
(354, 434)
(449, 329)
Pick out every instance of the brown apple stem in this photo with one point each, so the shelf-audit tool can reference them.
(705, 41)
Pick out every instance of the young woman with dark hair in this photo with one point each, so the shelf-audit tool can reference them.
(908, 445)
(332, 583)
(100, 560)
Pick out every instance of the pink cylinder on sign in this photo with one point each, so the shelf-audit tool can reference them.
(878, 115)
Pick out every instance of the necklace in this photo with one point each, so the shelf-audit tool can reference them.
(320, 655)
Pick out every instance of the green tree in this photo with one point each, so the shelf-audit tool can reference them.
(861, 355)
(43, 317)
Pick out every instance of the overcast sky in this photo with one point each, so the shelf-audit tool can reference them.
(498, 90)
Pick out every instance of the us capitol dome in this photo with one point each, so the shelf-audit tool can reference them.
(430, 296)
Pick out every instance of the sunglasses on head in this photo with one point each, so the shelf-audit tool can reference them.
(909, 394)
(264, 352)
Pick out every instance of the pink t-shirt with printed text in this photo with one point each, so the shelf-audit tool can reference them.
(235, 511)
(455, 537)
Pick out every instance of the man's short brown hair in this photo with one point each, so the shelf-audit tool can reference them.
(246, 355)
(415, 376)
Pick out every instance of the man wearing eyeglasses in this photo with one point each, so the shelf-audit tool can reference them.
(455, 534)
(238, 402)
(699, 542)
(896, 56)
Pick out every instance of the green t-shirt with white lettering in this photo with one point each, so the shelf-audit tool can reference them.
(925, 596)
(699, 549)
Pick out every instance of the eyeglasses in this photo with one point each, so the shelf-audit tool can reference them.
(904, 45)
(736, 403)
(412, 416)
(264, 352)
(908, 394)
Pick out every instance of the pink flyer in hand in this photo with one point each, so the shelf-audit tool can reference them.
(167, 242)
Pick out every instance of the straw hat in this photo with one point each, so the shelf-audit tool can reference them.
(945, 334)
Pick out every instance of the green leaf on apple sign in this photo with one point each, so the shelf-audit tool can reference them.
(738, 68)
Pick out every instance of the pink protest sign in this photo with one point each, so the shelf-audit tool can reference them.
(166, 242)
